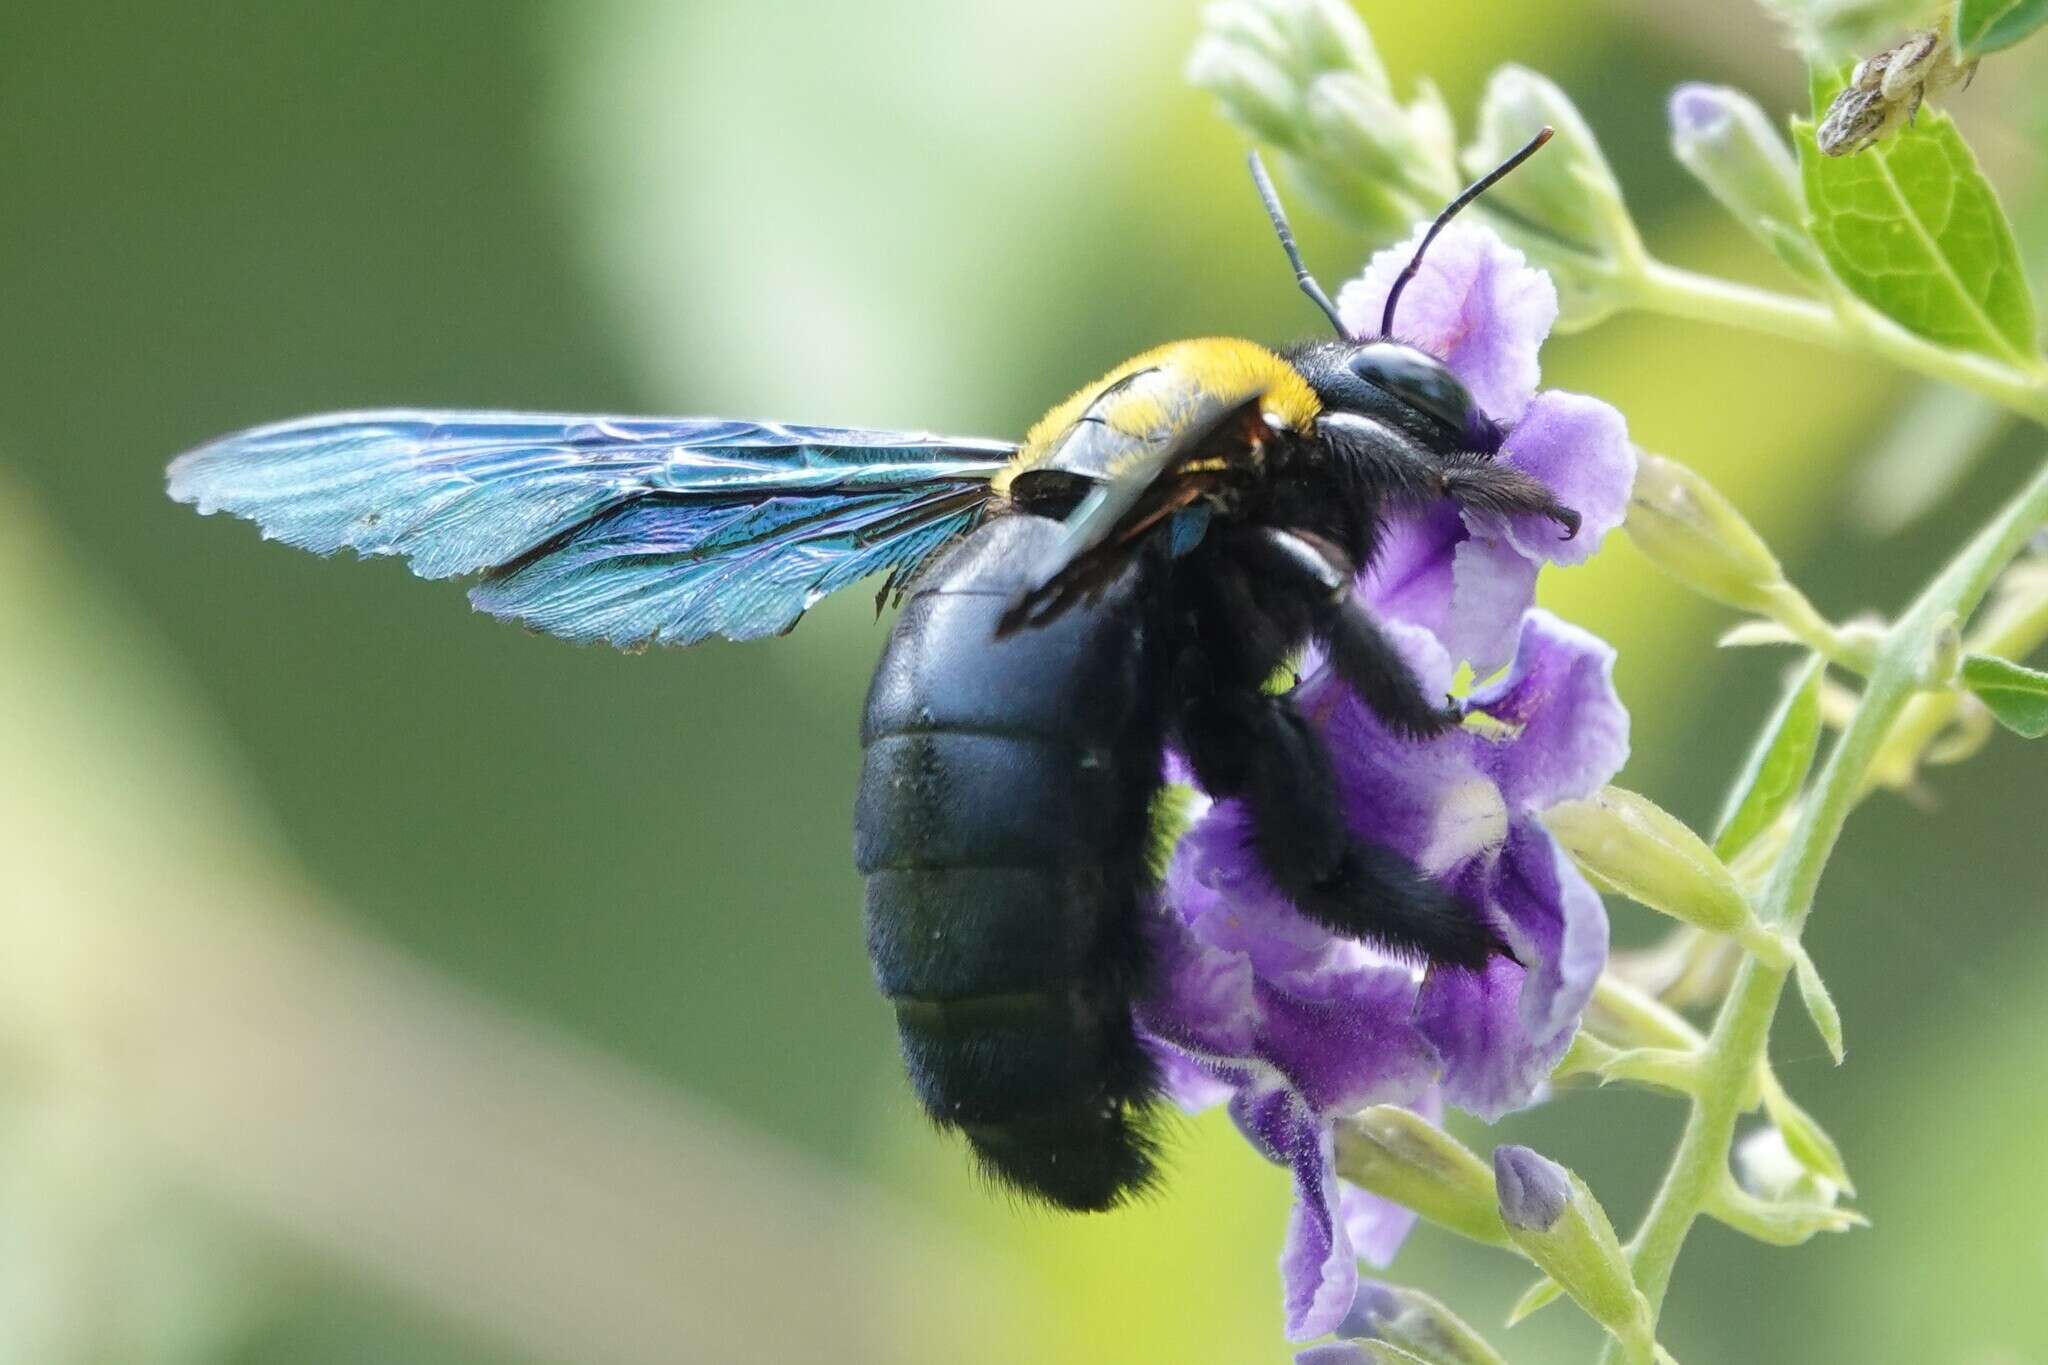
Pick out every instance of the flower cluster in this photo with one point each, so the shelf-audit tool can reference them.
(1293, 1026)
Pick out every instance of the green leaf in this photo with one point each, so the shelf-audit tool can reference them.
(1776, 768)
(1912, 227)
(1975, 18)
(1988, 25)
(2017, 695)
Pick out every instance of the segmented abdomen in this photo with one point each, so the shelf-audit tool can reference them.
(1001, 826)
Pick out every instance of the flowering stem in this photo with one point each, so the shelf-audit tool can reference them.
(1845, 323)
(1735, 1048)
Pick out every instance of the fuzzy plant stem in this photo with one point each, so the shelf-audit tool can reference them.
(1736, 1045)
(1845, 324)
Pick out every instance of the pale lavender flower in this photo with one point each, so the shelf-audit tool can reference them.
(1294, 1026)
(1466, 576)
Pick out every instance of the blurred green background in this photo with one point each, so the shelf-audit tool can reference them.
(248, 795)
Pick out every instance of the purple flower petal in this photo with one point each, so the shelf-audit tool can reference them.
(1578, 448)
(1410, 577)
(1500, 1032)
(1202, 1000)
(1572, 730)
(1347, 1040)
(1375, 1227)
(1495, 583)
(1336, 1353)
(1318, 1269)
(1476, 303)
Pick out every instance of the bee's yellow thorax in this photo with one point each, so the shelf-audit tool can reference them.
(1224, 367)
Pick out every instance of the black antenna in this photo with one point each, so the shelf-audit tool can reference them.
(1472, 191)
(1308, 284)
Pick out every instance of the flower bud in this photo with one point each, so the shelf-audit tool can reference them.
(1360, 126)
(1694, 534)
(1302, 76)
(1399, 1155)
(1533, 1189)
(1731, 146)
(1256, 93)
(1554, 1220)
(1332, 37)
(1643, 851)
(1564, 207)
(1416, 1324)
(1247, 23)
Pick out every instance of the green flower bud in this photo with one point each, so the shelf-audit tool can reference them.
(1402, 1156)
(1245, 23)
(1415, 1324)
(1554, 1220)
(1694, 534)
(1436, 137)
(1332, 37)
(1361, 126)
(1302, 76)
(1564, 207)
(1647, 854)
(1731, 146)
(1257, 94)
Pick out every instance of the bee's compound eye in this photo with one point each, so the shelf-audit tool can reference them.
(1421, 381)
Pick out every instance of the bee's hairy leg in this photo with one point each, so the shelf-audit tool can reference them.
(1259, 749)
(1485, 485)
(1359, 649)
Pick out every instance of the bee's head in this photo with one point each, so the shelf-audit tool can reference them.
(1400, 385)
(1390, 381)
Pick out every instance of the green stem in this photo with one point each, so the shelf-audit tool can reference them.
(1736, 1046)
(1849, 324)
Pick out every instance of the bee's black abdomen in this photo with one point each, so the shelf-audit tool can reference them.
(1001, 827)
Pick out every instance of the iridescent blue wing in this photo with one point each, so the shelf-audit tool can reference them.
(628, 530)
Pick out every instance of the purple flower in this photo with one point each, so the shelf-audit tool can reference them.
(1295, 1026)
(1466, 576)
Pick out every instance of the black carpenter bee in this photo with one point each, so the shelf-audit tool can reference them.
(1125, 580)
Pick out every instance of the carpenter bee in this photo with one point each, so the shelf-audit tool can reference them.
(1122, 583)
